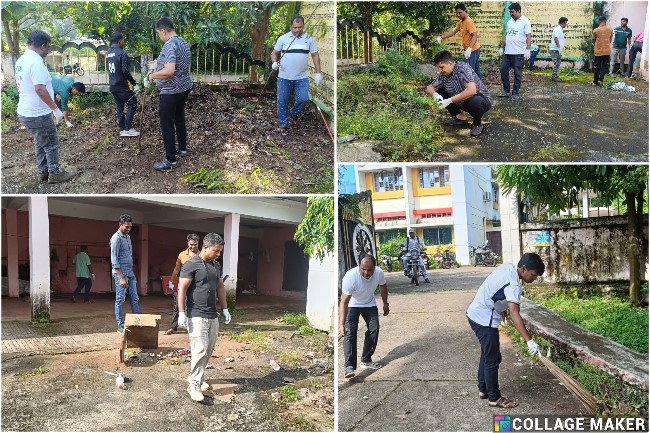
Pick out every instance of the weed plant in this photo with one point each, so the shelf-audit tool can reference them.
(387, 104)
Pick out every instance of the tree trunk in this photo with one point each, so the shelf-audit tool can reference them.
(634, 251)
(9, 36)
(258, 36)
(367, 37)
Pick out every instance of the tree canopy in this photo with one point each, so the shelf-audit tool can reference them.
(315, 233)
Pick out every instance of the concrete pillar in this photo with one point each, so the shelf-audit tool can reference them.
(143, 272)
(11, 221)
(460, 195)
(585, 204)
(320, 296)
(409, 199)
(231, 255)
(39, 258)
(510, 237)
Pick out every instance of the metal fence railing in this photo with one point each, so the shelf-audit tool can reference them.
(214, 64)
(359, 44)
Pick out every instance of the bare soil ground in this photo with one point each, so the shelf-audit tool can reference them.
(233, 134)
(72, 392)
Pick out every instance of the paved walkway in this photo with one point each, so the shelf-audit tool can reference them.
(428, 382)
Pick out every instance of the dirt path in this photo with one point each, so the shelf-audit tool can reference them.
(231, 134)
(71, 392)
(552, 122)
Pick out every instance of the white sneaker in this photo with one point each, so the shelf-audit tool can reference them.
(205, 387)
(130, 133)
(194, 390)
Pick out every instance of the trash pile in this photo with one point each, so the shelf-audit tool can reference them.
(623, 87)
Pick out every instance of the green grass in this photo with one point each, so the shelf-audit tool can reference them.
(604, 314)
(289, 393)
(290, 358)
(301, 424)
(387, 104)
(247, 336)
(295, 319)
(555, 152)
(31, 373)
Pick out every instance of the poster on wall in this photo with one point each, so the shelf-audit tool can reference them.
(539, 239)
(488, 17)
(321, 25)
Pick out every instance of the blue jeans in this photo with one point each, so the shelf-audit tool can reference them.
(46, 142)
(533, 56)
(301, 90)
(473, 61)
(120, 295)
(128, 98)
(488, 364)
(371, 317)
(515, 62)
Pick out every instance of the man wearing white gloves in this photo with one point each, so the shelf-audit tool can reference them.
(183, 256)
(500, 292)
(557, 46)
(459, 89)
(469, 35)
(36, 106)
(515, 49)
(201, 281)
(291, 57)
(64, 88)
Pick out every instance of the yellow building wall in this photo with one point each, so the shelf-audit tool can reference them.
(387, 205)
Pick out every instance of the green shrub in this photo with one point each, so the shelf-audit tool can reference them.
(9, 100)
(289, 393)
(295, 319)
(604, 314)
(392, 247)
(90, 99)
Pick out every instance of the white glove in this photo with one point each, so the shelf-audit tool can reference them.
(500, 52)
(560, 51)
(318, 78)
(527, 54)
(58, 115)
(439, 39)
(171, 284)
(445, 103)
(92, 276)
(438, 97)
(468, 52)
(136, 88)
(182, 320)
(533, 348)
(226, 315)
(275, 66)
(68, 124)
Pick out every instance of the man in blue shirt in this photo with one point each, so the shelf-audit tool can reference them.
(122, 270)
(622, 38)
(66, 87)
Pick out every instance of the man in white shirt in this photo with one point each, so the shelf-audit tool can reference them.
(291, 55)
(557, 46)
(500, 292)
(515, 50)
(36, 106)
(358, 299)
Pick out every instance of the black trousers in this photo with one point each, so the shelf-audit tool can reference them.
(371, 317)
(635, 49)
(87, 284)
(601, 63)
(128, 98)
(476, 106)
(172, 122)
(488, 364)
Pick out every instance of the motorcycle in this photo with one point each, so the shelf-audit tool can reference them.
(447, 260)
(483, 255)
(414, 270)
(74, 69)
(388, 262)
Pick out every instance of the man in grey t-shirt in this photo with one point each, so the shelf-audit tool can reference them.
(200, 280)
(293, 49)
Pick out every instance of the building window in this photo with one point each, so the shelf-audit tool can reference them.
(388, 181)
(387, 235)
(433, 177)
(436, 215)
(386, 219)
(437, 236)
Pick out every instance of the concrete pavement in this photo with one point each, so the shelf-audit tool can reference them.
(430, 356)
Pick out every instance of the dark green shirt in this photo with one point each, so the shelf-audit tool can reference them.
(621, 36)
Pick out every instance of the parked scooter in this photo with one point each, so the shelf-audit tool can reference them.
(482, 255)
(387, 262)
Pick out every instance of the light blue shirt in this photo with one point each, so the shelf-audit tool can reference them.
(121, 254)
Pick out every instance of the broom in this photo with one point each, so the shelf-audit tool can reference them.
(587, 400)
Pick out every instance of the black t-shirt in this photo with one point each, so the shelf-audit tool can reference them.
(202, 293)
(117, 62)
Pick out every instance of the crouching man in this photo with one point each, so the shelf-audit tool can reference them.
(459, 89)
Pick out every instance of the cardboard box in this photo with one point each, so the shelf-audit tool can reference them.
(141, 330)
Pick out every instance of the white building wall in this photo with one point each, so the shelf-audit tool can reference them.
(457, 175)
(510, 239)
(320, 296)
(637, 14)
(39, 257)
(388, 205)
(433, 202)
